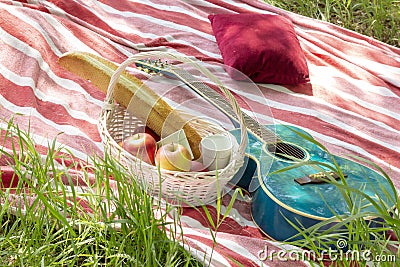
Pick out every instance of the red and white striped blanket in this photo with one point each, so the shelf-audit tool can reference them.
(351, 104)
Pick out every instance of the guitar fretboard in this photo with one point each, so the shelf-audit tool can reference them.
(222, 104)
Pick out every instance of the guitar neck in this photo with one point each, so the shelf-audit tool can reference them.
(222, 104)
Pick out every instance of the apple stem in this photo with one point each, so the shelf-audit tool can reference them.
(173, 147)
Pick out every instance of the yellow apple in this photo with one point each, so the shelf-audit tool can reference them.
(173, 157)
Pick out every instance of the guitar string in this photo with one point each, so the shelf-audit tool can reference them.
(261, 132)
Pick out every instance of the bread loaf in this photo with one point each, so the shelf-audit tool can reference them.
(153, 109)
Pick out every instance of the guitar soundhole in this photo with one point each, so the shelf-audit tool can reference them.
(286, 151)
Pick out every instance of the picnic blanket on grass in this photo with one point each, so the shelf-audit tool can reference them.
(351, 104)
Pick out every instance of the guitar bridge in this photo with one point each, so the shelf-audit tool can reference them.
(318, 178)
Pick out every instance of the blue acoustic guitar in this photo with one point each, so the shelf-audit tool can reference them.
(311, 187)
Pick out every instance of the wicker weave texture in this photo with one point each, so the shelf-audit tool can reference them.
(182, 188)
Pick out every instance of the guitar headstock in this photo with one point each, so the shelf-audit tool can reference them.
(155, 67)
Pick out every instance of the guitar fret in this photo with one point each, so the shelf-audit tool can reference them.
(216, 98)
(220, 102)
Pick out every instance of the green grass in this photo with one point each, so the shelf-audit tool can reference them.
(43, 235)
(376, 18)
(54, 232)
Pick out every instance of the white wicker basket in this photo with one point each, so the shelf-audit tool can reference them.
(183, 188)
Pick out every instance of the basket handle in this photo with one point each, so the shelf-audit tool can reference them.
(109, 100)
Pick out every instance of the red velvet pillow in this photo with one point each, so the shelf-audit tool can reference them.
(262, 46)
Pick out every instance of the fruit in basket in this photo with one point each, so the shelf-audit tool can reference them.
(173, 157)
(145, 129)
(154, 110)
(142, 146)
(197, 166)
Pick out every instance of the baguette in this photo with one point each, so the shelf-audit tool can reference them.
(149, 106)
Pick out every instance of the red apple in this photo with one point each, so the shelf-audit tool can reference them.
(173, 157)
(141, 145)
(145, 129)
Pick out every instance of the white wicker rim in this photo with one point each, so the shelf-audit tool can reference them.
(183, 188)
